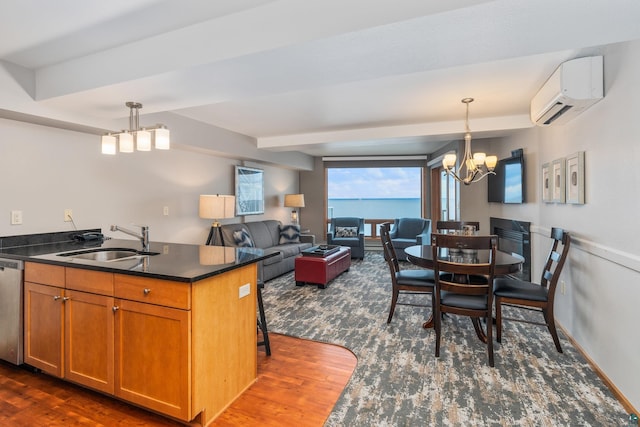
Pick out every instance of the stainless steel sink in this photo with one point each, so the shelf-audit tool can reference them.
(107, 254)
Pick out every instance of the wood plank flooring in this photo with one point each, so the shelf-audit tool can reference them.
(298, 385)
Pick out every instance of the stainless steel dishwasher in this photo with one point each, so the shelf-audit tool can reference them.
(11, 311)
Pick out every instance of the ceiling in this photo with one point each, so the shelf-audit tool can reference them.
(329, 77)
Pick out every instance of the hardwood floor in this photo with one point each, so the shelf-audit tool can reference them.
(297, 385)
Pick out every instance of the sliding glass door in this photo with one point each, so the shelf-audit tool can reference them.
(445, 200)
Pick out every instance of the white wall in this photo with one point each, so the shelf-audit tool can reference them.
(47, 170)
(602, 274)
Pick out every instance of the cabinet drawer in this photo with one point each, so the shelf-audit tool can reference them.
(43, 273)
(96, 282)
(153, 291)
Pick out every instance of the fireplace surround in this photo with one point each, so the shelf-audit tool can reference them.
(514, 237)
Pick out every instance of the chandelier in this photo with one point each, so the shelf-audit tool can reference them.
(471, 163)
(142, 138)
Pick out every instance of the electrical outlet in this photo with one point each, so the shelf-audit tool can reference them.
(563, 287)
(244, 290)
(165, 211)
(68, 215)
(16, 217)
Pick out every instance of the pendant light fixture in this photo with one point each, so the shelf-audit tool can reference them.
(472, 164)
(141, 138)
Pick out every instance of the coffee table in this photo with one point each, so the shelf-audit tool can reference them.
(314, 268)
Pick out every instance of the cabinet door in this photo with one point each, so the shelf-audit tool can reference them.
(89, 323)
(152, 355)
(43, 327)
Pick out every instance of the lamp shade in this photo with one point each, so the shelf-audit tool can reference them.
(161, 138)
(294, 200)
(143, 140)
(217, 206)
(108, 144)
(125, 139)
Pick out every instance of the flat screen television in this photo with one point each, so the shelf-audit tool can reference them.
(507, 185)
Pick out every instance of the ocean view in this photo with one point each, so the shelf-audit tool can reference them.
(374, 208)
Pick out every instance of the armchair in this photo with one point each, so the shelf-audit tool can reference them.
(347, 231)
(407, 232)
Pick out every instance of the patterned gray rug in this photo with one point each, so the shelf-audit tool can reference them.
(399, 382)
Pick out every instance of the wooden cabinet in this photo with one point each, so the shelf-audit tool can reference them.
(69, 333)
(43, 327)
(153, 349)
(89, 340)
(186, 350)
(153, 331)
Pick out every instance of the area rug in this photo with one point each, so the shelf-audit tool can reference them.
(399, 382)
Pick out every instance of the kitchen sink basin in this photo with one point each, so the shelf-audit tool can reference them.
(107, 254)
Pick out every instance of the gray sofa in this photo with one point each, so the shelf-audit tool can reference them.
(266, 236)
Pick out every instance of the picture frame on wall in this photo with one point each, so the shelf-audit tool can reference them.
(546, 183)
(249, 191)
(575, 178)
(558, 180)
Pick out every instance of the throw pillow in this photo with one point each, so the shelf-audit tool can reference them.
(346, 231)
(242, 239)
(289, 234)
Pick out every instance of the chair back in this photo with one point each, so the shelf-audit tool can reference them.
(348, 222)
(389, 252)
(409, 228)
(556, 259)
(460, 270)
(456, 292)
(446, 226)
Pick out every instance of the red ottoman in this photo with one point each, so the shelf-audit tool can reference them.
(320, 270)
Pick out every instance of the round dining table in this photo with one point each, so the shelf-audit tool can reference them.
(422, 256)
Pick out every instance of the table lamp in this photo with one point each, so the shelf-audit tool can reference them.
(216, 207)
(294, 201)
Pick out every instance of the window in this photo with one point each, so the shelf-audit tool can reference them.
(374, 193)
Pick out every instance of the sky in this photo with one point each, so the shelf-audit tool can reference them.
(374, 183)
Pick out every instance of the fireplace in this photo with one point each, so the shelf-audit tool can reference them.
(514, 237)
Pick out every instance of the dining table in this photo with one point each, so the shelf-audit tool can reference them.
(422, 256)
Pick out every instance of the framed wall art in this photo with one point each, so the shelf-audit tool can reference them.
(546, 183)
(249, 191)
(575, 178)
(557, 180)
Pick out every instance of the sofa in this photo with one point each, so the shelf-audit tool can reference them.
(270, 236)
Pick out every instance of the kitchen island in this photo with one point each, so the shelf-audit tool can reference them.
(173, 332)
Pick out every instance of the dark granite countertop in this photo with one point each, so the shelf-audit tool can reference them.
(175, 261)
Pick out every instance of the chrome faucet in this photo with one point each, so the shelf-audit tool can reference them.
(143, 236)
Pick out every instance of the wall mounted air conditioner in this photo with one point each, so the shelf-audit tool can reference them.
(572, 88)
